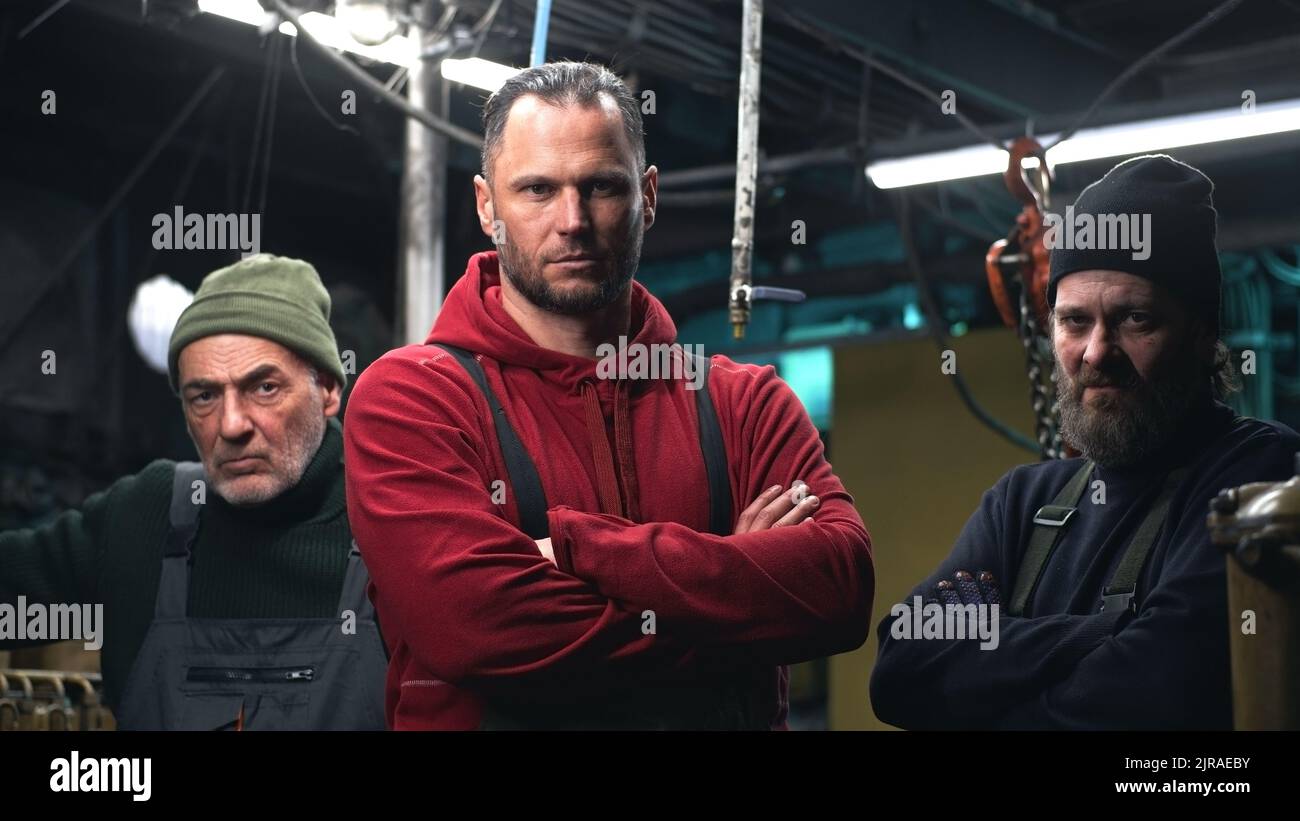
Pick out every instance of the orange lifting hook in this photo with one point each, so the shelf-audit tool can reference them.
(1023, 254)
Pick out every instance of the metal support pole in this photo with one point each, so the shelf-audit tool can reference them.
(742, 240)
(537, 56)
(424, 195)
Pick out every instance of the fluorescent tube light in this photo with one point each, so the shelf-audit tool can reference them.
(1139, 137)
(477, 72)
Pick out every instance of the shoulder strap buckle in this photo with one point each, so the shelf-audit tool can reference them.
(1048, 526)
(1054, 515)
(1110, 602)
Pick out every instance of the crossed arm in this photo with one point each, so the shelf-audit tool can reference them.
(1164, 667)
(476, 601)
(775, 507)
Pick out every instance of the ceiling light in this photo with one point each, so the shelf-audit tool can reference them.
(1124, 139)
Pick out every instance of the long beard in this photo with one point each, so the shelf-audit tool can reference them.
(525, 274)
(1123, 430)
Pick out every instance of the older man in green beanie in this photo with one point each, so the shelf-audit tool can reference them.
(232, 594)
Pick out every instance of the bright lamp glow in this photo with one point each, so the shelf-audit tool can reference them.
(1095, 143)
(476, 72)
(156, 306)
(398, 50)
(368, 21)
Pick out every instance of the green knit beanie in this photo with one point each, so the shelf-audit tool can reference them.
(276, 298)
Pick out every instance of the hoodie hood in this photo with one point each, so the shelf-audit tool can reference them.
(473, 318)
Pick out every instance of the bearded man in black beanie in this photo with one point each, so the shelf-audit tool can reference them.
(1105, 601)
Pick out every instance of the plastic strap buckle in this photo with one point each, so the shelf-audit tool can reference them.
(1111, 602)
(1054, 515)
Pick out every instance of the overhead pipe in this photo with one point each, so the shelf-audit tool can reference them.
(743, 292)
(540, 24)
(742, 238)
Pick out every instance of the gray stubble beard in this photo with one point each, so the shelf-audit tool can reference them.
(302, 442)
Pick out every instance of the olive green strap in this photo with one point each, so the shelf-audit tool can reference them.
(1049, 524)
(1119, 593)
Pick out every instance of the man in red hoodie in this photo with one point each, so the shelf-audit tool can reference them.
(620, 604)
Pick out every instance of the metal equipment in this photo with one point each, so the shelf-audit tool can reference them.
(1258, 525)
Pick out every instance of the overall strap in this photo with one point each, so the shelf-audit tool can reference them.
(715, 455)
(1050, 523)
(524, 481)
(355, 581)
(1119, 593)
(183, 521)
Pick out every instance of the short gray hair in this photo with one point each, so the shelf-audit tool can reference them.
(562, 83)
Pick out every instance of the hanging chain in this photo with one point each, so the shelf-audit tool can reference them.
(1038, 369)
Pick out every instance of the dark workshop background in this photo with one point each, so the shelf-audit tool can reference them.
(858, 351)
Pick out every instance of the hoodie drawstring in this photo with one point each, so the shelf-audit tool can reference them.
(608, 476)
(626, 463)
(606, 480)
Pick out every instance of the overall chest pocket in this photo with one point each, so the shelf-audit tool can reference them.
(246, 696)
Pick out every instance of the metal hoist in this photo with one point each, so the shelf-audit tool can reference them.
(1019, 264)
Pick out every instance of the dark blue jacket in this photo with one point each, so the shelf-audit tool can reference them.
(1064, 664)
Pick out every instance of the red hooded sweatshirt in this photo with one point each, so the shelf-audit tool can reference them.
(648, 620)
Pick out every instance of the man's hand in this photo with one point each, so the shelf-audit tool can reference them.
(965, 588)
(777, 508)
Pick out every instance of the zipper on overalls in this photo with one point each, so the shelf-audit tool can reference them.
(251, 674)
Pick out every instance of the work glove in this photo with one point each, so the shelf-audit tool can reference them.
(966, 588)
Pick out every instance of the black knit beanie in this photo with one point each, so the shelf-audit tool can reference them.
(1179, 252)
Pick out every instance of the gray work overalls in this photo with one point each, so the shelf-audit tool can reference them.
(251, 674)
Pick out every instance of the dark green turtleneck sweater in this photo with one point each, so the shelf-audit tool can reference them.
(284, 558)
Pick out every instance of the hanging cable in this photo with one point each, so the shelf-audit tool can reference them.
(429, 119)
(836, 44)
(397, 80)
(885, 68)
(480, 29)
(278, 63)
(178, 196)
(255, 150)
(302, 81)
(935, 323)
(1133, 70)
(41, 18)
(183, 184)
(55, 278)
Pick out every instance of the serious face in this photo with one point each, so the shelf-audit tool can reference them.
(255, 413)
(1131, 363)
(566, 204)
